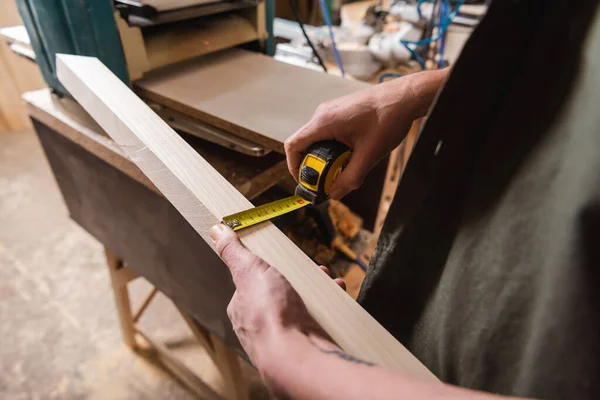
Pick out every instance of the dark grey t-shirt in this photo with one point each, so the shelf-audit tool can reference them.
(488, 266)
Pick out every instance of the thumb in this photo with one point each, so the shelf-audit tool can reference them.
(352, 176)
(241, 262)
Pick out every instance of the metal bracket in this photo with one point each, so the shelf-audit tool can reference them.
(208, 132)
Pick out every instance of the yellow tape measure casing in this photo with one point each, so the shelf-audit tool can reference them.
(263, 213)
(320, 167)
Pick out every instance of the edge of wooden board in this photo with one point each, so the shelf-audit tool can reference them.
(203, 197)
(246, 93)
(211, 119)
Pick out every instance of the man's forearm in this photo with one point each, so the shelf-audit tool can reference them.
(423, 87)
(299, 367)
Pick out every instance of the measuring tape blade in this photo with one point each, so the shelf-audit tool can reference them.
(263, 213)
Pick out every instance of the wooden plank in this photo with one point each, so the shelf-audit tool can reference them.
(261, 21)
(144, 305)
(168, 44)
(67, 117)
(261, 183)
(203, 197)
(228, 364)
(16, 34)
(134, 48)
(22, 51)
(179, 369)
(246, 93)
(119, 282)
(142, 227)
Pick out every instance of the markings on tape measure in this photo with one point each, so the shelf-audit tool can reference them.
(259, 214)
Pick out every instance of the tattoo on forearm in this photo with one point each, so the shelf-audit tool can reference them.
(346, 356)
(336, 351)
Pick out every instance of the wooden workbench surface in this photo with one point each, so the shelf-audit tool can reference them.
(16, 34)
(110, 198)
(246, 93)
(69, 119)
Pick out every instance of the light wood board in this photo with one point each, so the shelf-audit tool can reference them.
(203, 197)
(166, 45)
(16, 34)
(246, 93)
(249, 175)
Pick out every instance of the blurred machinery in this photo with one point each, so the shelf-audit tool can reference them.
(404, 32)
(134, 37)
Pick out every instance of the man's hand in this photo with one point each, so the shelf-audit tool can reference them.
(264, 307)
(294, 355)
(372, 122)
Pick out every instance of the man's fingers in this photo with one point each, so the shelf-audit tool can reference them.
(341, 283)
(241, 261)
(297, 144)
(293, 159)
(352, 176)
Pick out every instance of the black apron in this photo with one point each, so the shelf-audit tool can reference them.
(488, 265)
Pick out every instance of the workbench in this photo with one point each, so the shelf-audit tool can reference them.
(145, 236)
(142, 233)
(242, 93)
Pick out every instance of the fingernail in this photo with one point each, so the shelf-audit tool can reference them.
(341, 283)
(216, 231)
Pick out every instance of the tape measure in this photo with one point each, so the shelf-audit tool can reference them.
(322, 164)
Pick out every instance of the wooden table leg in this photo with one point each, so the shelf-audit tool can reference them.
(398, 159)
(119, 277)
(228, 363)
(226, 360)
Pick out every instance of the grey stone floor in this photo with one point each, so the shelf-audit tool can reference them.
(59, 334)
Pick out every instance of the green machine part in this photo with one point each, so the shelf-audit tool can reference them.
(83, 27)
(270, 18)
(87, 28)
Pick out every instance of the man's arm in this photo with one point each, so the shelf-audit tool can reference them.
(298, 367)
(294, 355)
(372, 122)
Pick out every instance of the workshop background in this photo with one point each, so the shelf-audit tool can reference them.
(75, 319)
